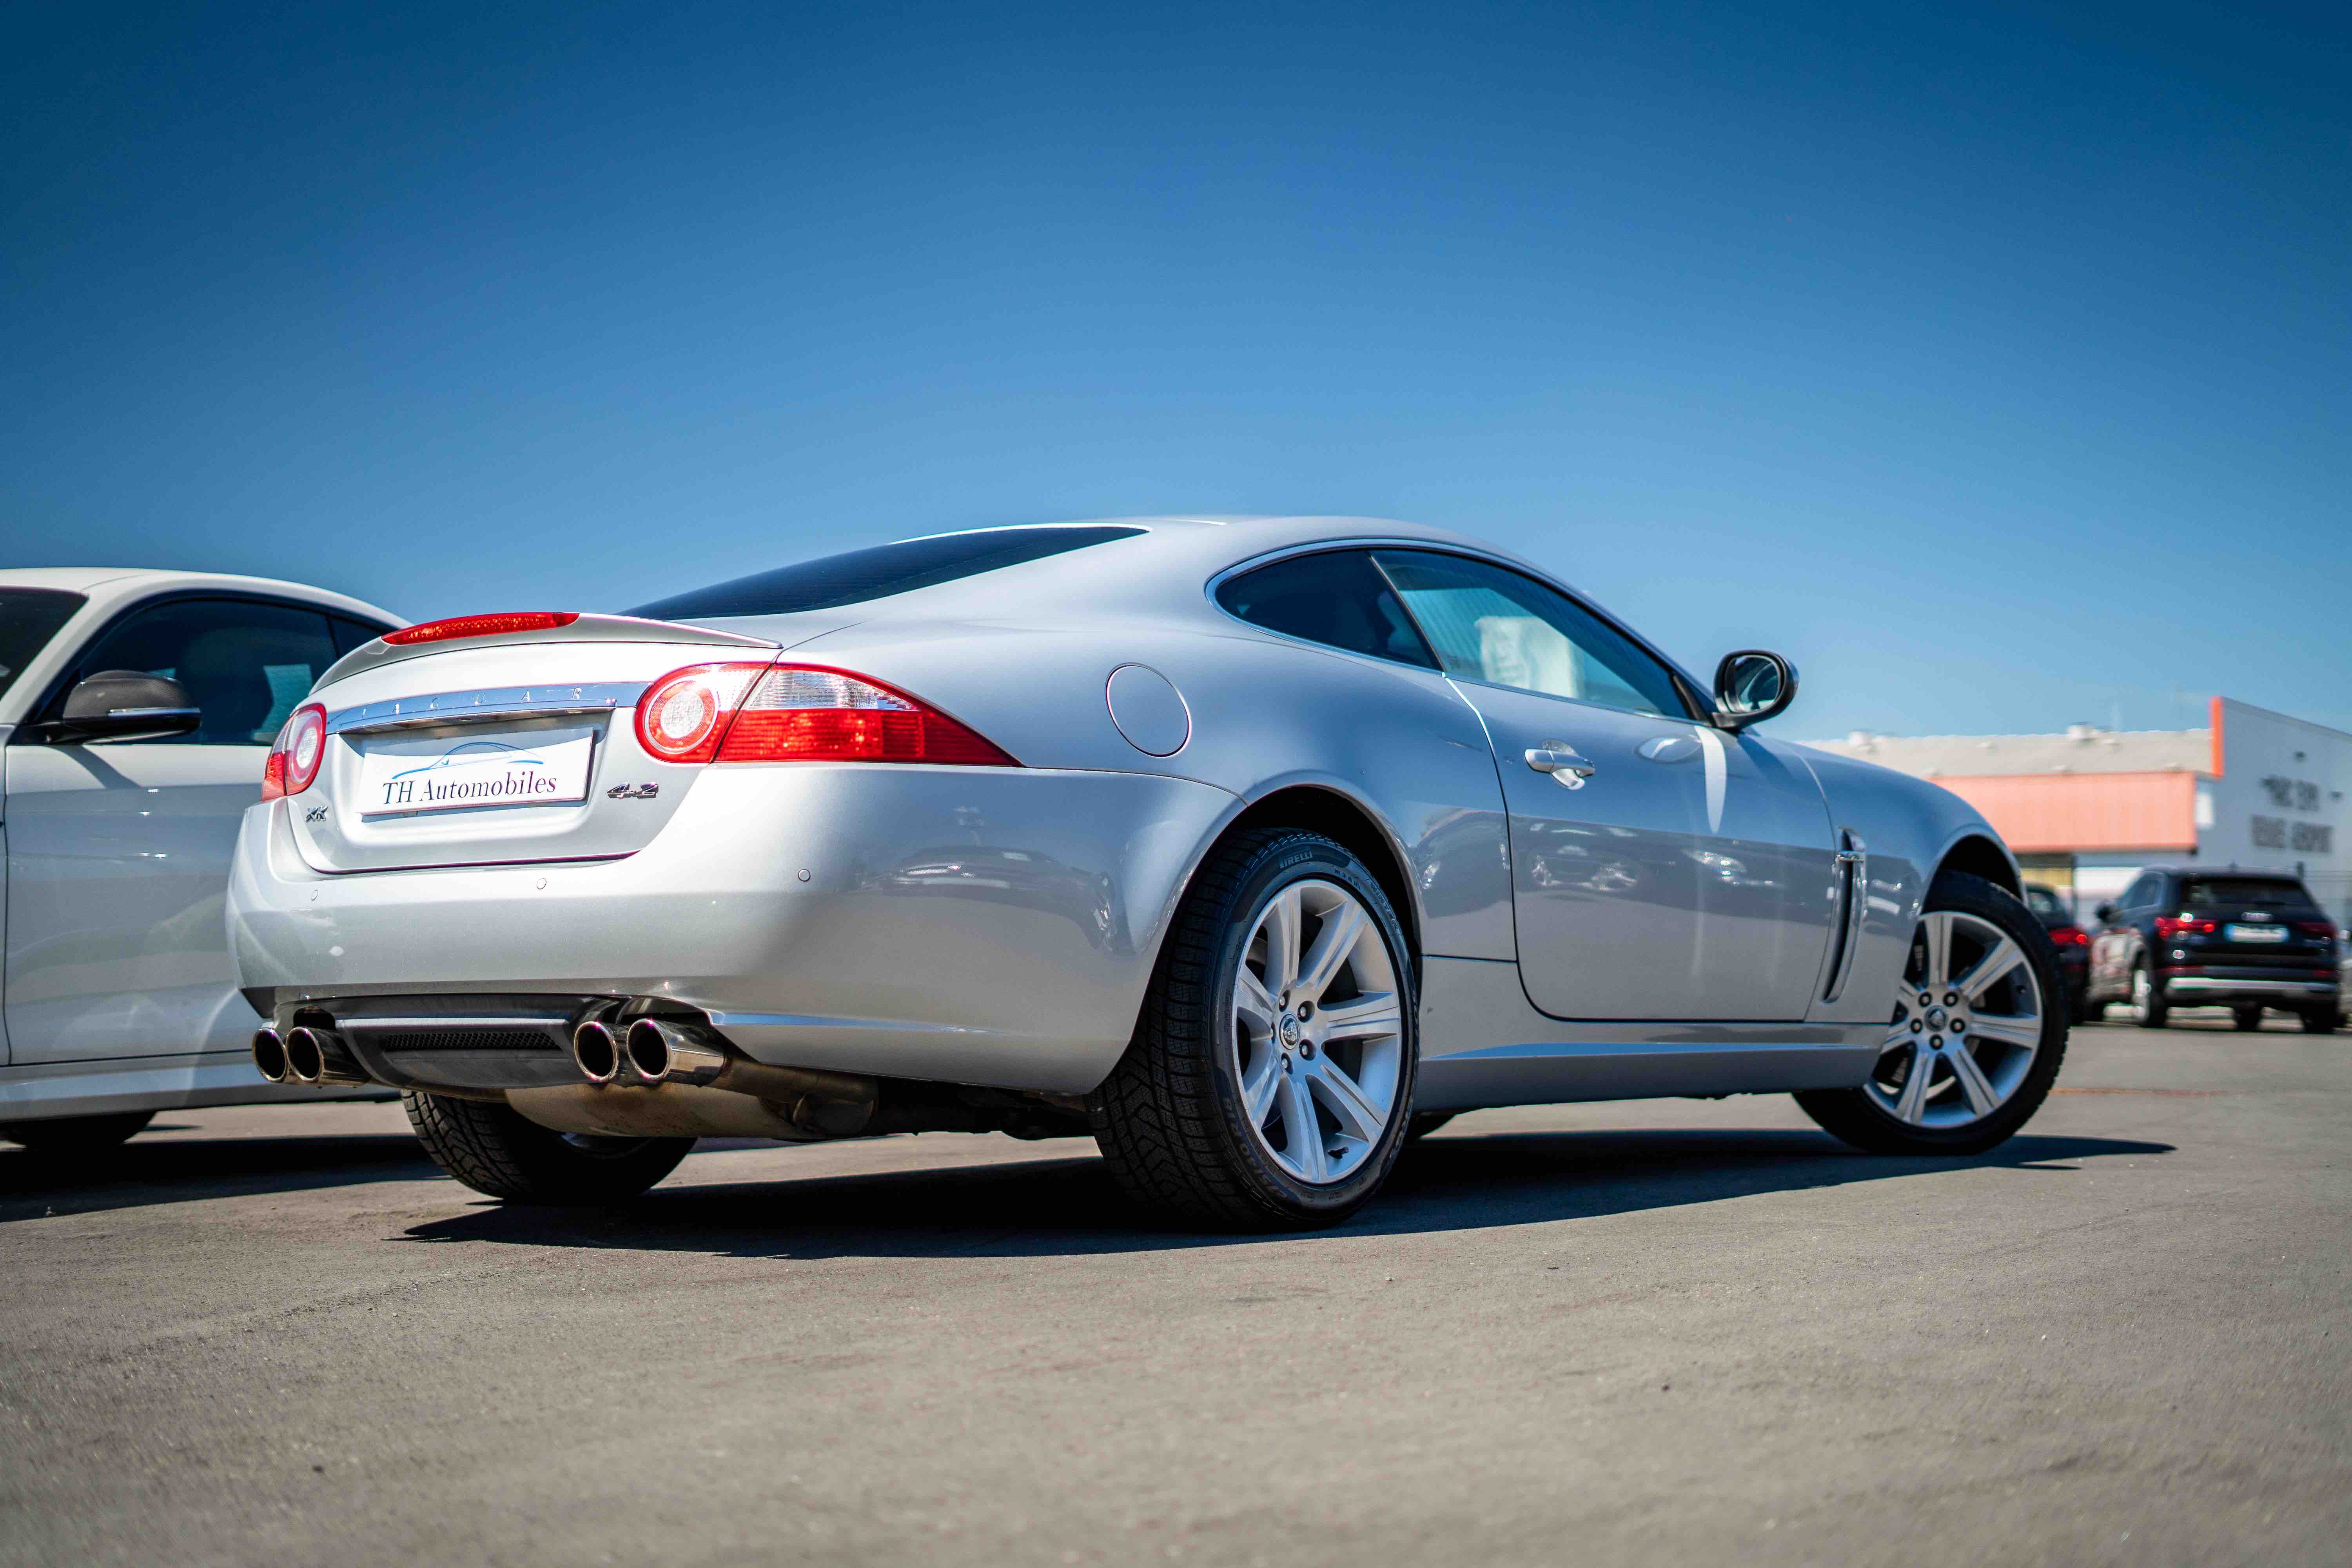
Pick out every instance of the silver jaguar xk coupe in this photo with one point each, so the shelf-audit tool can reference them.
(1252, 847)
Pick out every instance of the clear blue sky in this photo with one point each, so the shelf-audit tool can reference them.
(1995, 362)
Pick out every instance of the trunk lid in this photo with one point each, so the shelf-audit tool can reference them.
(508, 749)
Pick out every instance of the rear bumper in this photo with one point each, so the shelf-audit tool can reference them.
(2217, 989)
(967, 925)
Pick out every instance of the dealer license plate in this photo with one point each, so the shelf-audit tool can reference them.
(464, 772)
(2254, 933)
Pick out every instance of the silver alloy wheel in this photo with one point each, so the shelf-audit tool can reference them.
(1967, 1023)
(1318, 1040)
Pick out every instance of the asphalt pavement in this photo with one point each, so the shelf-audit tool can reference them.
(1664, 1332)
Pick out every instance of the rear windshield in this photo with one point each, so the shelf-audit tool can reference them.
(832, 581)
(29, 617)
(2246, 892)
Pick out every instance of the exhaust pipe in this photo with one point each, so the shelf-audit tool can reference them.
(662, 1052)
(306, 1055)
(596, 1051)
(316, 1056)
(837, 1104)
(270, 1054)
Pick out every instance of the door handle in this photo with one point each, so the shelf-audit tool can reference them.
(1562, 763)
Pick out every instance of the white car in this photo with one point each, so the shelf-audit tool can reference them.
(136, 712)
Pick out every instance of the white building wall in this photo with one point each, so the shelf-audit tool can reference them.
(2281, 801)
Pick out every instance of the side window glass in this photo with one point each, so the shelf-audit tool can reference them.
(1337, 598)
(2141, 894)
(1493, 624)
(247, 665)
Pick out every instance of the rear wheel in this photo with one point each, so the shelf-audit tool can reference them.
(2148, 1008)
(2245, 1019)
(501, 1152)
(2319, 1021)
(1269, 1083)
(1976, 1038)
(76, 1134)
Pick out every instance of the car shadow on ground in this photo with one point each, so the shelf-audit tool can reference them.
(34, 1185)
(1066, 1207)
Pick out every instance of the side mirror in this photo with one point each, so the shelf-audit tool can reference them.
(126, 704)
(1751, 686)
(2106, 913)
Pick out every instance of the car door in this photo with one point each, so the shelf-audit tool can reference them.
(1660, 869)
(2111, 950)
(118, 851)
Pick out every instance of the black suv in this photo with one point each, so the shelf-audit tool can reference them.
(2188, 936)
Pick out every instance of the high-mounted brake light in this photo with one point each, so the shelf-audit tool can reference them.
(799, 713)
(294, 757)
(481, 626)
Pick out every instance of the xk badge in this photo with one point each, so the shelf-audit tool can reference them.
(316, 814)
(632, 791)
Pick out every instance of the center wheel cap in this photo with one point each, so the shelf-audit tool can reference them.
(1935, 1018)
(1289, 1030)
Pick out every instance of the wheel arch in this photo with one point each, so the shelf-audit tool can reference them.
(1980, 855)
(1340, 817)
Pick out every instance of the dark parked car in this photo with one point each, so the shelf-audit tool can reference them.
(2187, 936)
(2073, 945)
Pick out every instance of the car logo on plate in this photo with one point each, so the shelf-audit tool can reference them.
(632, 791)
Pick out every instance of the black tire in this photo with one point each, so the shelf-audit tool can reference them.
(76, 1134)
(2319, 1021)
(2157, 1012)
(1425, 1122)
(501, 1152)
(2246, 1020)
(1853, 1117)
(1168, 1119)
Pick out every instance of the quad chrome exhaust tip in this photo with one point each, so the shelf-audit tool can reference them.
(658, 1051)
(596, 1051)
(270, 1054)
(306, 1055)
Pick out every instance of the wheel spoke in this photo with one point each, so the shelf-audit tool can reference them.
(1936, 931)
(2005, 956)
(1258, 1089)
(1342, 928)
(1898, 1034)
(1300, 1130)
(1979, 1091)
(1911, 1105)
(1359, 1017)
(1251, 1001)
(2026, 1032)
(1346, 1099)
(1281, 928)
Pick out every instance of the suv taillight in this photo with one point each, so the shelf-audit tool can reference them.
(2170, 926)
(293, 761)
(2316, 928)
(799, 713)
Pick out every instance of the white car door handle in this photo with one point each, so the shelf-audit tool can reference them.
(1556, 760)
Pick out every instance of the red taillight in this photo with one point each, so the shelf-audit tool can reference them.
(2314, 927)
(481, 626)
(798, 713)
(2070, 936)
(2171, 926)
(294, 758)
(682, 716)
